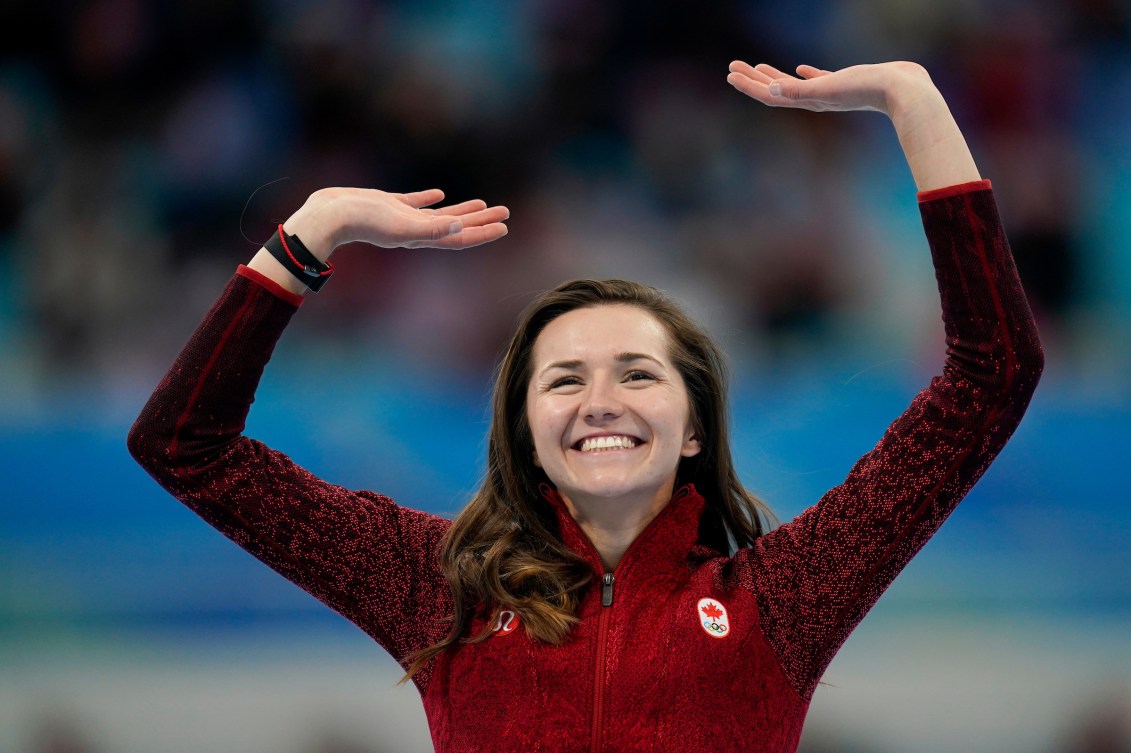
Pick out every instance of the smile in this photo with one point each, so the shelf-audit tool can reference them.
(599, 444)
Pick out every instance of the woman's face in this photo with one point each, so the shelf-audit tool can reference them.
(608, 409)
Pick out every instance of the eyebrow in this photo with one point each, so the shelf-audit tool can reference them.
(620, 358)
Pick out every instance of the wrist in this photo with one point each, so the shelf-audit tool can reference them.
(318, 223)
(290, 251)
(912, 97)
(266, 264)
(932, 142)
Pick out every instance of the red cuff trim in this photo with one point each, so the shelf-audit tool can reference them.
(948, 191)
(273, 287)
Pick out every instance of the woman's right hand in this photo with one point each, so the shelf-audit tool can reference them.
(332, 217)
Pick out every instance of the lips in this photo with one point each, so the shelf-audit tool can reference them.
(607, 442)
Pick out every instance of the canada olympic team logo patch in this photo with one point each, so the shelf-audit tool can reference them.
(713, 617)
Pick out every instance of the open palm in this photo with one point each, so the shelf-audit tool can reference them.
(334, 216)
(859, 87)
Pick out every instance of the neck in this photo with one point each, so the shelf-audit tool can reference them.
(613, 524)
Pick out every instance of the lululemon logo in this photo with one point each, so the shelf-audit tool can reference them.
(506, 622)
(713, 617)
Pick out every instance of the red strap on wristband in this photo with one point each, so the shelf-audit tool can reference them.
(292, 254)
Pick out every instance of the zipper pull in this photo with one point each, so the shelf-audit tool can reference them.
(607, 590)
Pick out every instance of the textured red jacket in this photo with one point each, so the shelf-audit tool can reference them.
(682, 648)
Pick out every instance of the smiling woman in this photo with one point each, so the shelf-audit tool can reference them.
(592, 364)
(611, 567)
(611, 420)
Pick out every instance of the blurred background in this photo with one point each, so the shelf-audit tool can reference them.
(147, 148)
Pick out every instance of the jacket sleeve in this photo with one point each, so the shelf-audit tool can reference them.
(816, 577)
(364, 556)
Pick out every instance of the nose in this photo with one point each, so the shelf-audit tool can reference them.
(601, 402)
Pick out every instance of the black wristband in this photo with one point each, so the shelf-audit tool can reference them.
(290, 252)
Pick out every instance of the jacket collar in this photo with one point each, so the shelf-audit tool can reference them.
(663, 545)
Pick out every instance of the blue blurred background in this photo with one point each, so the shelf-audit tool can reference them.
(134, 137)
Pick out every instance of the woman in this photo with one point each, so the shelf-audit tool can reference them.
(589, 596)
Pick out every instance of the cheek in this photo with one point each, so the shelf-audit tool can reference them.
(543, 423)
(673, 413)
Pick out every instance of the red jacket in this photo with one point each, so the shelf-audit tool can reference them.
(682, 648)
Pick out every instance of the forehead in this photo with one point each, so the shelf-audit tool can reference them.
(601, 331)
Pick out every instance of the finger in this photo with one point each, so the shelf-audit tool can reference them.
(806, 92)
(434, 229)
(755, 89)
(741, 66)
(474, 205)
(473, 236)
(762, 78)
(747, 85)
(759, 76)
(784, 92)
(792, 90)
(427, 229)
(420, 199)
(421, 229)
(484, 216)
(752, 72)
(809, 71)
(771, 71)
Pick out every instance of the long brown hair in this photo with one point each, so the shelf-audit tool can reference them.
(504, 550)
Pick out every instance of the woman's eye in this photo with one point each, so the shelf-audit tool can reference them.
(637, 376)
(564, 382)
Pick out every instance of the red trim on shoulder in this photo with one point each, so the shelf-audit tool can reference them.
(273, 287)
(948, 191)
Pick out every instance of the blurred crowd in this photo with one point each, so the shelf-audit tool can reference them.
(146, 149)
(1101, 728)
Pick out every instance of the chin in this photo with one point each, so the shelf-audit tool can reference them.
(617, 488)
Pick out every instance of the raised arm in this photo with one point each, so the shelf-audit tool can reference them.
(363, 555)
(817, 576)
(934, 147)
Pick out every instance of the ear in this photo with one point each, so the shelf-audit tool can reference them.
(691, 445)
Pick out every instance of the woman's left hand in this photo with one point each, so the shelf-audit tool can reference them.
(883, 87)
(934, 147)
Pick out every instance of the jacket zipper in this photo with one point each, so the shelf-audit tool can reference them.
(599, 674)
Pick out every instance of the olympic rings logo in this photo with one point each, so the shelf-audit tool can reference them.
(713, 617)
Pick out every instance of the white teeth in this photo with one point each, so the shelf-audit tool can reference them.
(607, 443)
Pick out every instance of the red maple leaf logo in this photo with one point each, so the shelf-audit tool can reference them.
(713, 612)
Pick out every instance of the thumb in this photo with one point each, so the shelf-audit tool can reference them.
(441, 227)
(786, 88)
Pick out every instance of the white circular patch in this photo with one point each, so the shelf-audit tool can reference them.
(713, 618)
